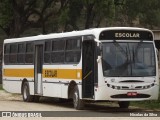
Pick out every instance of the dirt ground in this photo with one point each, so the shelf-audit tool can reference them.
(14, 102)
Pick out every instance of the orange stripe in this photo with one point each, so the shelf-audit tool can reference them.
(63, 73)
(47, 73)
(19, 72)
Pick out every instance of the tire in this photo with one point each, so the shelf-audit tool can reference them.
(36, 98)
(26, 94)
(77, 102)
(61, 100)
(123, 104)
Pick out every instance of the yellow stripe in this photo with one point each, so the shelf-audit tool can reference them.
(19, 72)
(63, 73)
(47, 73)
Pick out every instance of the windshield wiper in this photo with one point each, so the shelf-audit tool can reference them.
(120, 48)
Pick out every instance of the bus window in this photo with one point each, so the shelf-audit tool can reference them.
(58, 45)
(6, 48)
(21, 54)
(29, 53)
(6, 53)
(73, 50)
(13, 53)
(47, 52)
(57, 55)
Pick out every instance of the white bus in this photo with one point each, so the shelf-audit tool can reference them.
(101, 64)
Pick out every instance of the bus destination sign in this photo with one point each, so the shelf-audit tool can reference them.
(126, 35)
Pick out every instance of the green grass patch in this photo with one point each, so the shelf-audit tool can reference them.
(151, 104)
(1, 88)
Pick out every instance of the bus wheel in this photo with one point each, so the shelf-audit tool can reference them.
(78, 103)
(36, 98)
(123, 104)
(26, 94)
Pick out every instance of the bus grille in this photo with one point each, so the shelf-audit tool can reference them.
(125, 96)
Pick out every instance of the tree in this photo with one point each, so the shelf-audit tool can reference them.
(16, 17)
(44, 10)
(6, 15)
(145, 12)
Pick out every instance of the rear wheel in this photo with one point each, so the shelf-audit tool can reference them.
(77, 102)
(26, 94)
(123, 104)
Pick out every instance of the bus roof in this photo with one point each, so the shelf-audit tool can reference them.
(92, 31)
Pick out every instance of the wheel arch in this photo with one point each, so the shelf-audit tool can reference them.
(71, 87)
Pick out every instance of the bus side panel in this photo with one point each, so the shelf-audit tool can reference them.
(31, 88)
(80, 91)
(64, 93)
(12, 86)
(52, 89)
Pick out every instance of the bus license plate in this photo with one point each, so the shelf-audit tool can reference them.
(132, 94)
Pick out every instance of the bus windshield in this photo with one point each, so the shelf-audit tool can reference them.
(136, 59)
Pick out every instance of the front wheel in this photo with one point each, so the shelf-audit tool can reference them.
(26, 94)
(77, 102)
(123, 104)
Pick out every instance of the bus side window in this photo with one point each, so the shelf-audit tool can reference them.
(57, 55)
(13, 53)
(6, 53)
(47, 52)
(21, 53)
(29, 53)
(73, 50)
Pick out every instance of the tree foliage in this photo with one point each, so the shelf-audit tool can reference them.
(17, 16)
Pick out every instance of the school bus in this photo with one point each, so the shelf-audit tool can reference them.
(100, 64)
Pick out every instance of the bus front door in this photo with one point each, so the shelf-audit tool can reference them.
(38, 63)
(88, 69)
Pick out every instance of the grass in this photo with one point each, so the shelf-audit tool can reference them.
(151, 104)
(1, 87)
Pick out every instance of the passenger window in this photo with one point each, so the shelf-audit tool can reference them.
(21, 54)
(29, 47)
(57, 55)
(73, 44)
(21, 48)
(48, 46)
(13, 53)
(6, 49)
(13, 48)
(47, 52)
(6, 53)
(29, 53)
(58, 45)
(73, 50)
